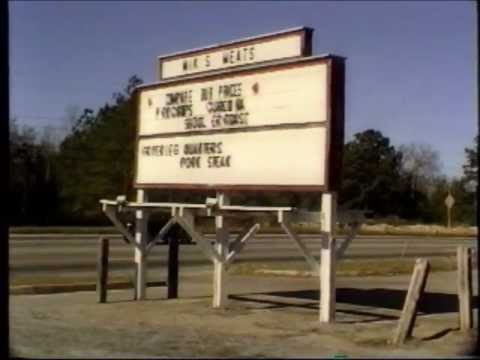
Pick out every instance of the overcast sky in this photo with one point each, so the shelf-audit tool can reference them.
(410, 65)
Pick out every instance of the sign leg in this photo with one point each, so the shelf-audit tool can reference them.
(172, 283)
(327, 257)
(219, 266)
(140, 253)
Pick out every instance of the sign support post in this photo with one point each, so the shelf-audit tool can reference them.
(219, 266)
(140, 248)
(327, 257)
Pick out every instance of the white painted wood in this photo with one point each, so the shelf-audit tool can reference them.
(327, 281)
(220, 293)
(303, 249)
(231, 54)
(159, 238)
(255, 208)
(140, 248)
(112, 215)
(259, 99)
(340, 251)
(203, 243)
(280, 156)
(327, 259)
(237, 246)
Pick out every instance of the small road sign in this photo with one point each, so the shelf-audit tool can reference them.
(449, 201)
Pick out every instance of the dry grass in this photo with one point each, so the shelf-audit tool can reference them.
(380, 267)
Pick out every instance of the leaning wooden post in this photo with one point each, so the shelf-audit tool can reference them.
(140, 245)
(219, 267)
(415, 291)
(327, 258)
(102, 270)
(172, 283)
(464, 286)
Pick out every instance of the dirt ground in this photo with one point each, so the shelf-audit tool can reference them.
(265, 317)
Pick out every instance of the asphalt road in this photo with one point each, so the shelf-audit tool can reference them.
(76, 254)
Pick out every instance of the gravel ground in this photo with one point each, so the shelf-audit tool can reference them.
(265, 317)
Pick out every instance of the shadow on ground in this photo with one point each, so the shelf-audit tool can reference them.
(393, 299)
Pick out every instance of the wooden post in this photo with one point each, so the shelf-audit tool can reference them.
(449, 218)
(415, 291)
(327, 258)
(464, 286)
(102, 270)
(140, 253)
(173, 244)
(219, 266)
(135, 282)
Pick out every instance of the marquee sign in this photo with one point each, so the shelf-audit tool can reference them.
(264, 127)
(280, 45)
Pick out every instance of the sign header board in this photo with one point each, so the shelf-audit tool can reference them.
(267, 127)
(290, 43)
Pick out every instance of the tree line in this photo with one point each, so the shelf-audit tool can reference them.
(60, 184)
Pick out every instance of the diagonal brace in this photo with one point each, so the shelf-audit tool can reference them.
(239, 243)
(204, 244)
(112, 215)
(159, 237)
(340, 251)
(314, 264)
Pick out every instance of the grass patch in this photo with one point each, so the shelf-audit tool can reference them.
(63, 230)
(266, 228)
(374, 267)
(57, 280)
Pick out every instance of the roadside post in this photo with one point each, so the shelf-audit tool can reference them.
(172, 282)
(102, 269)
(415, 292)
(464, 286)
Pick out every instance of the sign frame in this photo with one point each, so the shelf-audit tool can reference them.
(334, 125)
(305, 33)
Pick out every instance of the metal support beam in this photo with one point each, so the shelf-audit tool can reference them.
(327, 259)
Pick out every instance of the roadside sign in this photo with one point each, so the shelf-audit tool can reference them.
(263, 127)
(449, 201)
(290, 43)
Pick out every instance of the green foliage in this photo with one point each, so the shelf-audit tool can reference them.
(96, 159)
(470, 168)
(33, 185)
(371, 174)
(53, 185)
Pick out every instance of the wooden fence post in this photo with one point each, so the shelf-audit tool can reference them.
(173, 244)
(415, 291)
(102, 269)
(464, 286)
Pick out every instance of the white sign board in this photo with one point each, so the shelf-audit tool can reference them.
(286, 44)
(283, 96)
(266, 127)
